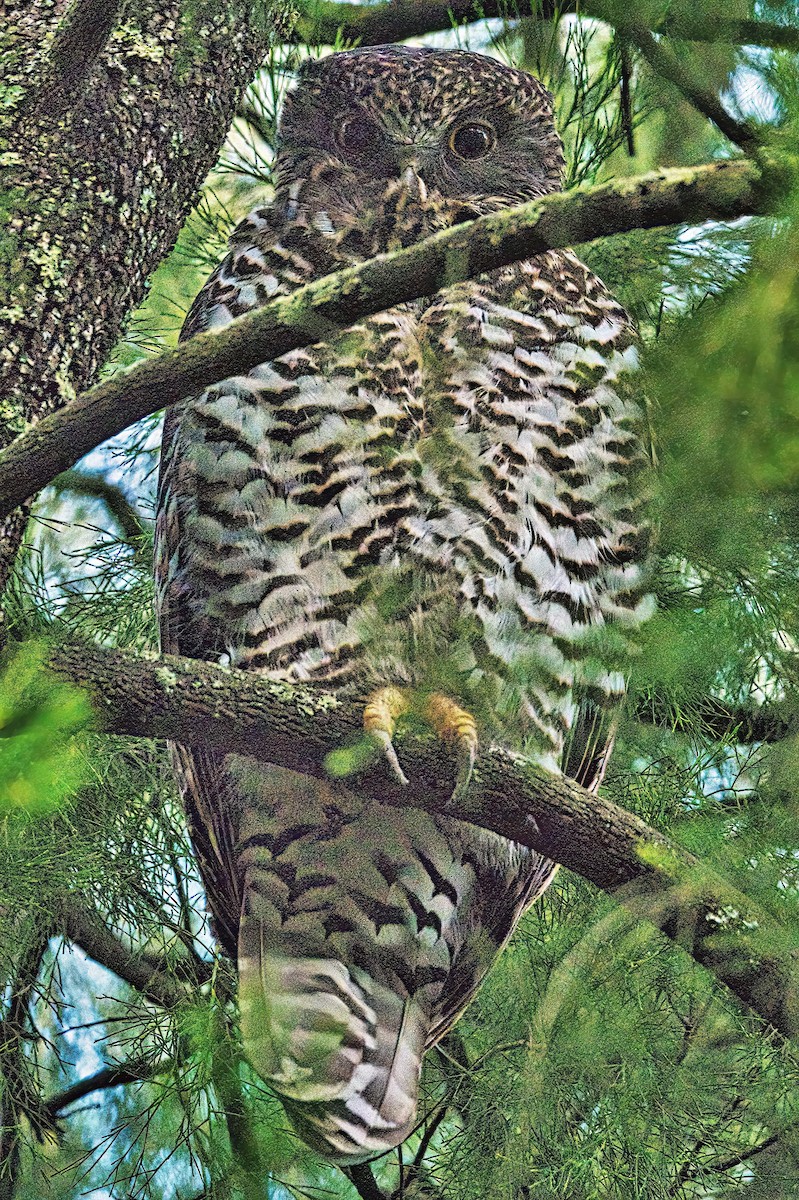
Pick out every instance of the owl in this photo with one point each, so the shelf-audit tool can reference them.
(435, 508)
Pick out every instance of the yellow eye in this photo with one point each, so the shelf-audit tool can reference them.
(471, 141)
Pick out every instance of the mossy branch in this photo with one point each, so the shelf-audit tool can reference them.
(199, 703)
(722, 191)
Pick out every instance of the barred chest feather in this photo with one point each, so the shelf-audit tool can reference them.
(430, 498)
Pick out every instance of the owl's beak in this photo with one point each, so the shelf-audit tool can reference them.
(414, 184)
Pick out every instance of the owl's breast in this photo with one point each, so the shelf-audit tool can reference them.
(300, 476)
(431, 498)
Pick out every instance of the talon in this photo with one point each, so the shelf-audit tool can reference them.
(454, 724)
(467, 752)
(380, 716)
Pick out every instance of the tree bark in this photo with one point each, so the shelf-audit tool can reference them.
(93, 197)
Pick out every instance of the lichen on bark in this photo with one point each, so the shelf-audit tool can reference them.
(93, 198)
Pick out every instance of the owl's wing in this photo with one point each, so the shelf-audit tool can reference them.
(249, 275)
(343, 935)
(544, 530)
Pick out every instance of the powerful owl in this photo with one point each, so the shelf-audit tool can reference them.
(435, 507)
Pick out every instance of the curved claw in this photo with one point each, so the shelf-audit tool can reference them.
(455, 724)
(466, 754)
(383, 739)
(379, 719)
(450, 722)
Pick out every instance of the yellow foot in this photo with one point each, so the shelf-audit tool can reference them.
(380, 716)
(455, 726)
(452, 724)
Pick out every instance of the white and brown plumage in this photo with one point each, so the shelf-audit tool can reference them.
(437, 500)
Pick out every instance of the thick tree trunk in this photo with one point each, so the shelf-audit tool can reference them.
(110, 118)
(104, 142)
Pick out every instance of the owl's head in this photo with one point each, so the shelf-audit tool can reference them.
(450, 124)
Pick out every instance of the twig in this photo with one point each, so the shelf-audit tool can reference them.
(743, 1156)
(363, 1181)
(316, 312)
(664, 62)
(430, 1129)
(116, 1075)
(690, 1168)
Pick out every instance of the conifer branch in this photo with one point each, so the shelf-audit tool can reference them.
(18, 1093)
(665, 63)
(744, 724)
(737, 1160)
(112, 1076)
(164, 988)
(296, 727)
(249, 1166)
(373, 24)
(86, 929)
(721, 191)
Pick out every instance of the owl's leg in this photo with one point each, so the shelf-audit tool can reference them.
(380, 716)
(455, 726)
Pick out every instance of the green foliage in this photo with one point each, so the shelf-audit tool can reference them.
(728, 387)
(598, 1062)
(40, 767)
(608, 1067)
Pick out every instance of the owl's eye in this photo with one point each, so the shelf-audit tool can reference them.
(471, 141)
(357, 135)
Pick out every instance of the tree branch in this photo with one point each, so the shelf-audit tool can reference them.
(746, 724)
(664, 62)
(373, 24)
(316, 312)
(158, 985)
(362, 1179)
(735, 31)
(297, 727)
(735, 1160)
(94, 485)
(88, 931)
(115, 1075)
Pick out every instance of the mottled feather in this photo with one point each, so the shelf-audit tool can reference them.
(441, 497)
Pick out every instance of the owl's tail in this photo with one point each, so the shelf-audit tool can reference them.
(343, 1052)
